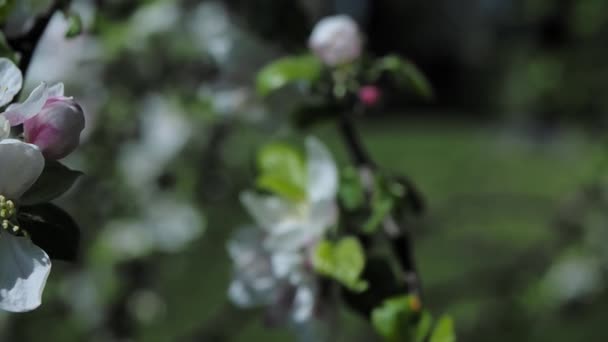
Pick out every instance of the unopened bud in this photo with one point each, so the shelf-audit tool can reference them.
(369, 95)
(56, 129)
(336, 40)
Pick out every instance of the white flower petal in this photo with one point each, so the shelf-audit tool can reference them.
(268, 211)
(20, 166)
(254, 282)
(5, 128)
(290, 237)
(322, 172)
(303, 303)
(288, 264)
(55, 90)
(10, 80)
(323, 215)
(24, 268)
(19, 112)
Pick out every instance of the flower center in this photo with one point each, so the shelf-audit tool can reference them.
(8, 215)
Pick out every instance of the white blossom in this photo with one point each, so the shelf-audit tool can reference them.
(293, 225)
(11, 81)
(273, 260)
(24, 267)
(336, 40)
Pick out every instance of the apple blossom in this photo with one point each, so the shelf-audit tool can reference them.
(24, 267)
(291, 225)
(259, 282)
(50, 120)
(336, 40)
(273, 260)
(11, 81)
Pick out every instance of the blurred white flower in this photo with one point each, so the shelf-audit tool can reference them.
(211, 27)
(72, 60)
(164, 131)
(293, 225)
(258, 282)
(272, 264)
(336, 40)
(573, 277)
(24, 267)
(146, 305)
(153, 18)
(166, 225)
(83, 292)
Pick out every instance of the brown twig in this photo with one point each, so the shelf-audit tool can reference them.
(398, 234)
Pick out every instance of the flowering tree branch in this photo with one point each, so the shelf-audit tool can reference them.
(399, 234)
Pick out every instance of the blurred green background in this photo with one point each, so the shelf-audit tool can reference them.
(511, 157)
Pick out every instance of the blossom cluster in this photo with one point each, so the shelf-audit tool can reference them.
(51, 125)
(273, 266)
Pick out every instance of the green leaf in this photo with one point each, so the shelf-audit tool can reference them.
(5, 8)
(51, 229)
(282, 171)
(55, 180)
(406, 73)
(424, 327)
(380, 208)
(74, 25)
(302, 69)
(351, 192)
(343, 261)
(444, 330)
(396, 319)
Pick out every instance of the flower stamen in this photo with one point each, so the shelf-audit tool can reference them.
(8, 215)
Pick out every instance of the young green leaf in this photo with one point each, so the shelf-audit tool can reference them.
(395, 320)
(343, 261)
(288, 70)
(444, 330)
(406, 73)
(282, 171)
(55, 180)
(380, 208)
(351, 192)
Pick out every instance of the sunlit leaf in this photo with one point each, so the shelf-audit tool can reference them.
(298, 69)
(281, 171)
(343, 261)
(398, 320)
(444, 330)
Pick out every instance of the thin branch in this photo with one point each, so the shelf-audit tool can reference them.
(399, 234)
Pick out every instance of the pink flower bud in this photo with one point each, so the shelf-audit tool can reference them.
(369, 95)
(56, 128)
